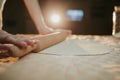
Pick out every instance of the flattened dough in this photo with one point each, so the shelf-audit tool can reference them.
(77, 47)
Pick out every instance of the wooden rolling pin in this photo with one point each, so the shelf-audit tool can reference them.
(43, 42)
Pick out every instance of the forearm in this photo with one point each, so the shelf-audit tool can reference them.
(2, 2)
(36, 14)
(0, 20)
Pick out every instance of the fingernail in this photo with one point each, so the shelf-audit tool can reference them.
(34, 41)
(23, 44)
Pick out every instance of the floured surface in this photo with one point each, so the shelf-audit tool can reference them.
(36, 66)
(78, 47)
(52, 67)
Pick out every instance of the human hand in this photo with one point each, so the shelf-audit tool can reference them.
(64, 30)
(20, 41)
(48, 30)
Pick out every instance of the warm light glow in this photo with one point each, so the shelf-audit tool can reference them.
(55, 18)
(114, 18)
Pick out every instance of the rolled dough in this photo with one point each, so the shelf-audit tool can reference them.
(77, 47)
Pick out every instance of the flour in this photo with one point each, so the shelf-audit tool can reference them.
(78, 47)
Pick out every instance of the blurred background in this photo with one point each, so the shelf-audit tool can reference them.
(85, 17)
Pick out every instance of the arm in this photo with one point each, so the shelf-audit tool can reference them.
(2, 2)
(36, 14)
(43, 43)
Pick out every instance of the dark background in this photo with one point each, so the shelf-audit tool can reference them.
(97, 19)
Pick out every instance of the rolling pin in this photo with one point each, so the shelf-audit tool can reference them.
(43, 42)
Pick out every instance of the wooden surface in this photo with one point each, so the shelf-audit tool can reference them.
(40, 66)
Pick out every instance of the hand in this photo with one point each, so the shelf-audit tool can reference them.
(48, 30)
(7, 38)
(64, 30)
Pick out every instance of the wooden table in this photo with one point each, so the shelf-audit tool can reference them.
(40, 66)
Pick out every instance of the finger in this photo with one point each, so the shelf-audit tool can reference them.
(27, 40)
(13, 40)
(4, 47)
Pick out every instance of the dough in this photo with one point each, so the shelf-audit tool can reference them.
(77, 47)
